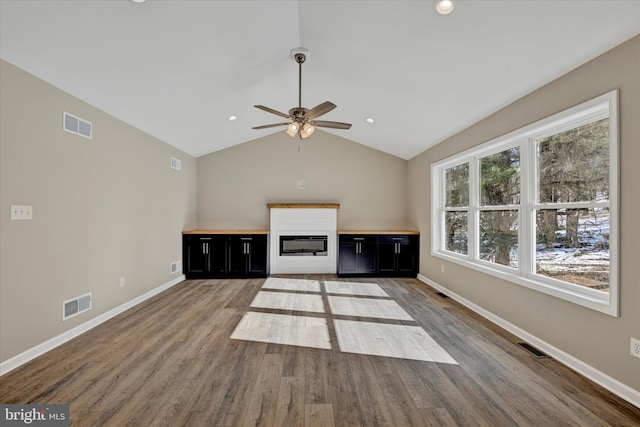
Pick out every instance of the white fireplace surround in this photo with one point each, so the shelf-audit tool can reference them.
(303, 222)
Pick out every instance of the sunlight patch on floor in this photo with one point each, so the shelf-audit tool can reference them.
(283, 329)
(288, 301)
(285, 284)
(381, 339)
(354, 288)
(367, 307)
(359, 337)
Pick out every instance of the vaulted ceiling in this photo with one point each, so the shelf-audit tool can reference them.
(178, 69)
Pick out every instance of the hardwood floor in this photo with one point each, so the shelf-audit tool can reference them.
(170, 361)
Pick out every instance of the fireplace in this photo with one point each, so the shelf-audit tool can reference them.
(303, 238)
(303, 245)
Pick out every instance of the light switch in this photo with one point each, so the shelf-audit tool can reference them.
(21, 212)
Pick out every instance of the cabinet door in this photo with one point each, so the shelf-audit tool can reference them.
(368, 257)
(257, 256)
(347, 257)
(195, 253)
(218, 256)
(407, 257)
(237, 255)
(357, 255)
(398, 255)
(387, 255)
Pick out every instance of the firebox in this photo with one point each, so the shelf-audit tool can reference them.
(303, 245)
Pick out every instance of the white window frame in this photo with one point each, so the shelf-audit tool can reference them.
(597, 108)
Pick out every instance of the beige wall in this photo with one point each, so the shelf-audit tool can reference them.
(597, 339)
(104, 208)
(235, 185)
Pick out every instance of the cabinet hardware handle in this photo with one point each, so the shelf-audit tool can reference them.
(358, 238)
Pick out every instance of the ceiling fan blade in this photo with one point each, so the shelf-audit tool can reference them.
(334, 125)
(319, 110)
(271, 126)
(272, 111)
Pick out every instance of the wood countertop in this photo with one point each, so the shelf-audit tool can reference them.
(303, 205)
(226, 232)
(268, 231)
(378, 232)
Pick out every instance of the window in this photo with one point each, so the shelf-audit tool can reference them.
(538, 206)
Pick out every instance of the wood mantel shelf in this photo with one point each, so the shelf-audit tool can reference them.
(303, 205)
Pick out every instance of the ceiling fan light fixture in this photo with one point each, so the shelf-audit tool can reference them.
(307, 130)
(444, 7)
(292, 129)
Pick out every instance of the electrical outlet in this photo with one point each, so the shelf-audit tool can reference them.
(300, 184)
(122, 282)
(635, 347)
(21, 212)
(441, 268)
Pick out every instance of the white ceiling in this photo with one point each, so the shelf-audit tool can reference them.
(178, 69)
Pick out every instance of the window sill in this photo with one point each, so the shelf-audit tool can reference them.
(602, 302)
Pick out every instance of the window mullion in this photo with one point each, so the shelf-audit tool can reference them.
(527, 231)
(474, 212)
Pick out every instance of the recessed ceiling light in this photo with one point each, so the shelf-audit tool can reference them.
(444, 7)
(232, 118)
(138, 1)
(369, 120)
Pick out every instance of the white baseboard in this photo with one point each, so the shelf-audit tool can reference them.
(40, 349)
(614, 386)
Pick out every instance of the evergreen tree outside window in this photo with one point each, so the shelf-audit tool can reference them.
(457, 208)
(538, 206)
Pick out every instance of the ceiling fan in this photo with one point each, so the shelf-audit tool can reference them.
(302, 121)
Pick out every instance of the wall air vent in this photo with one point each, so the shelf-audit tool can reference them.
(176, 267)
(176, 164)
(76, 125)
(75, 306)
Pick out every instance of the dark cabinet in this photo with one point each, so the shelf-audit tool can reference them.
(204, 256)
(398, 255)
(357, 255)
(381, 255)
(213, 255)
(247, 256)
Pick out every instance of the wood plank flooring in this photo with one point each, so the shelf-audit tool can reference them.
(170, 362)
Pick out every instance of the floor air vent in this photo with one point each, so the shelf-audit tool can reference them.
(75, 306)
(76, 125)
(531, 349)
